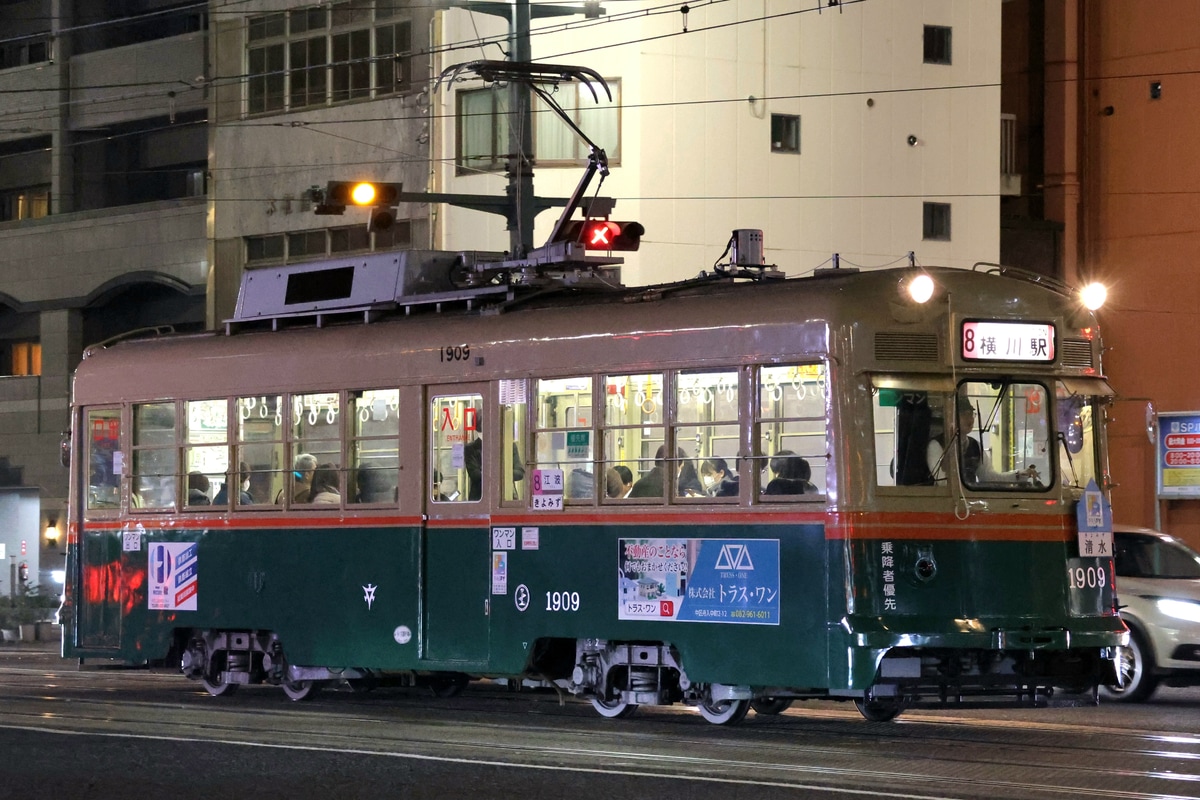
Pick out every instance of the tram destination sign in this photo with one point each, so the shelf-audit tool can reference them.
(995, 340)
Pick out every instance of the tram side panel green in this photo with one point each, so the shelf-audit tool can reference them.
(308, 586)
(455, 635)
(976, 589)
(343, 597)
(584, 560)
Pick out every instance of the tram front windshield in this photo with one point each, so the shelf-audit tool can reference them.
(1004, 435)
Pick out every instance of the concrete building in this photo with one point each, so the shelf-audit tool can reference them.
(870, 130)
(151, 150)
(1105, 99)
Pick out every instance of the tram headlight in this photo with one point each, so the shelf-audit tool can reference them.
(1093, 295)
(920, 288)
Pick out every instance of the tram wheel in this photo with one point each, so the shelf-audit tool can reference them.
(724, 712)
(300, 690)
(770, 705)
(613, 709)
(878, 709)
(219, 688)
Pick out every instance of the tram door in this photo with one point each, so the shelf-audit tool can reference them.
(99, 597)
(457, 544)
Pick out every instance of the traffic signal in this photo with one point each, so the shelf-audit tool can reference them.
(381, 198)
(603, 234)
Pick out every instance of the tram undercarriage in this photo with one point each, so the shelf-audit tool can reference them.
(618, 677)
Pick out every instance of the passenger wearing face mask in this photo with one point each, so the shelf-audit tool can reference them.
(717, 478)
(244, 496)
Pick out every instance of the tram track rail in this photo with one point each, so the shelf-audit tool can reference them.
(925, 754)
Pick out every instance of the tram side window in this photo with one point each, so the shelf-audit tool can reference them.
(155, 456)
(792, 426)
(456, 448)
(374, 445)
(513, 406)
(316, 431)
(260, 447)
(104, 458)
(635, 437)
(563, 436)
(706, 429)
(206, 451)
(909, 437)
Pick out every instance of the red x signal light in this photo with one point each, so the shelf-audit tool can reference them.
(604, 234)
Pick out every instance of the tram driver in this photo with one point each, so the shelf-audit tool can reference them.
(976, 463)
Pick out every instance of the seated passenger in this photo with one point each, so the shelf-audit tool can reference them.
(326, 486)
(198, 486)
(717, 478)
(243, 480)
(651, 484)
(792, 474)
(374, 486)
(302, 479)
(618, 482)
(581, 484)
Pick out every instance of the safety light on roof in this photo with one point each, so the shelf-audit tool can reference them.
(920, 288)
(1093, 295)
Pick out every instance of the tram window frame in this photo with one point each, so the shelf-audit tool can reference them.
(112, 458)
(436, 466)
(246, 409)
(299, 412)
(188, 446)
(549, 437)
(141, 451)
(785, 425)
(685, 392)
(609, 458)
(355, 441)
(514, 449)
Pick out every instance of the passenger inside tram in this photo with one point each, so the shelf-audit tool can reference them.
(619, 482)
(791, 475)
(718, 480)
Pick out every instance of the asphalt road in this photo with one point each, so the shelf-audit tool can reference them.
(66, 733)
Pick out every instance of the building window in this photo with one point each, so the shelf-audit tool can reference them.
(937, 44)
(28, 203)
(785, 133)
(18, 51)
(483, 125)
(25, 359)
(319, 55)
(482, 132)
(595, 114)
(936, 224)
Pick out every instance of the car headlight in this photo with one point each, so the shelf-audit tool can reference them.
(1180, 609)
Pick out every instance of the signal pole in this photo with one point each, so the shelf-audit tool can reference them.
(519, 206)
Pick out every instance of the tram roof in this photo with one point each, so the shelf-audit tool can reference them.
(685, 325)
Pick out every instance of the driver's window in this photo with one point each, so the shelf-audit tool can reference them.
(1003, 435)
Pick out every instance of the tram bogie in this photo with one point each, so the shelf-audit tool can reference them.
(823, 493)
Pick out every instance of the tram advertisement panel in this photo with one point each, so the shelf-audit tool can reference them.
(172, 576)
(699, 580)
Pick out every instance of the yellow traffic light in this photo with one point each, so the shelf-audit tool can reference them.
(363, 194)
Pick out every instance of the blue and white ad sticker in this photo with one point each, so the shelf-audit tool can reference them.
(699, 580)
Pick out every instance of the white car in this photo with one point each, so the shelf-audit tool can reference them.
(1158, 589)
